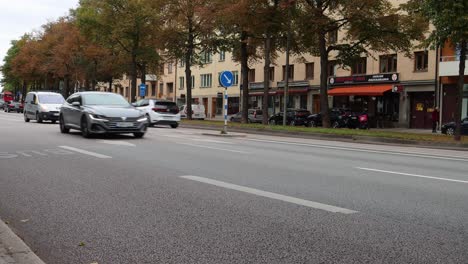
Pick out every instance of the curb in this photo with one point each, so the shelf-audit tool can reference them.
(16, 249)
(224, 135)
(342, 138)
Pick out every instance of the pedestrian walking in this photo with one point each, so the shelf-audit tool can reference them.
(435, 119)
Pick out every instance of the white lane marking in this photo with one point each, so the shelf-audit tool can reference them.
(275, 196)
(413, 175)
(222, 149)
(455, 158)
(117, 142)
(94, 154)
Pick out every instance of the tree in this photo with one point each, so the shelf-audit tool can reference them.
(10, 79)
(450, 24)
(370, 25)
(130, 26)
(237, 22)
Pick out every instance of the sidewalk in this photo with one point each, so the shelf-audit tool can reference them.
(13, 250)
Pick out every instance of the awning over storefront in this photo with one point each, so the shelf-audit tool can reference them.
(261, 93)
(367, 90)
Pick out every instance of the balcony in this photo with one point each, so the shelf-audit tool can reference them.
(449, 66)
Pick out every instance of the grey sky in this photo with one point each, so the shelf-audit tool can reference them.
(21, 16)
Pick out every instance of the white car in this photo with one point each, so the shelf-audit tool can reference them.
(198, 111)
(159, 112)
(41, 106)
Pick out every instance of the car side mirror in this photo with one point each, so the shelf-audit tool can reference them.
(77, 104)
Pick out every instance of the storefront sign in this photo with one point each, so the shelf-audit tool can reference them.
(365, 79)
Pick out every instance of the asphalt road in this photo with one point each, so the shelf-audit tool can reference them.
(177, 196)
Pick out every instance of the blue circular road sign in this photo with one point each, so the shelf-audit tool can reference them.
(226, 79)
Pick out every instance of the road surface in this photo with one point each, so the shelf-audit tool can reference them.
(177, 196)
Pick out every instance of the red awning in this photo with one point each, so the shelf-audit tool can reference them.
(368, 90)
(260, 93)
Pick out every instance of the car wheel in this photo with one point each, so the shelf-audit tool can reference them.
(312, 124)
(249, 121)
(26, 119)
(293, 123)
(38, 118)
(85, 128)
(139, 134)
(175, 125)
(335, 124)
(272, 122)
(54, 121)
(450, 131)
(64, 129)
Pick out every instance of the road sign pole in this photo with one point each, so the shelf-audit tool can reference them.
(225, 131)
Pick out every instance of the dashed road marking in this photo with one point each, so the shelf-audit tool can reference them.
(284, 198)
(89, 153)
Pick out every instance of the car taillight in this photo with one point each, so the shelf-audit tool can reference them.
(157, 109)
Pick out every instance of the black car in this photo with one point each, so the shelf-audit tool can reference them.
(101, 113)
(449, 128)
(338, 118)
(294, 117)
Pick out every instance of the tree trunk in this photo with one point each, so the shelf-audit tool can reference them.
(133, 89)
(111, 80)
(461, 81)
(188, 71)
(66, 88)
(266, 79)
(324, 108)
(245, 77)
(25, 90)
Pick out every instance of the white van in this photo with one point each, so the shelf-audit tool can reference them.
(42, 106)
(198, 111)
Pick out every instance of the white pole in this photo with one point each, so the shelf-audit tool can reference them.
(225, 110)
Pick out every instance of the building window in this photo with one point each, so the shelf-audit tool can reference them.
(193, 81)
(206, 57)
(222, 55)
(360, 66)
(420, 61)
(169, 67)
(332, 67)
(181, 83)
(251, 75)
(272, 74)
(236, 78)
(182, 63)
(170, 88)
(153, 88)
(309, 71)
(290, 73)
(206, 80)
(333, 37)
(388, 63)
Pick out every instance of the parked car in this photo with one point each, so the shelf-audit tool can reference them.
(338, 118)
(41, 106)
(198, 111)
(294, 117)
(254, 116)
(2, 104)
(13, 106)
(449, 128)
(101, 113)
(159, 112)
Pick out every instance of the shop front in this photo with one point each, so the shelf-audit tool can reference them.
(297, 95)
(377, 95)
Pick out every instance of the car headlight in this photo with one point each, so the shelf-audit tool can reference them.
(44, 108)
(98, 117)
(142, 119)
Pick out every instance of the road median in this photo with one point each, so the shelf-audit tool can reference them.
(350, 135)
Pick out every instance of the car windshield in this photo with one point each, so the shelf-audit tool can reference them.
(51, 99)
(104, 99)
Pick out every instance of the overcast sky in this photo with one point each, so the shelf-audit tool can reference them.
(21, 16)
